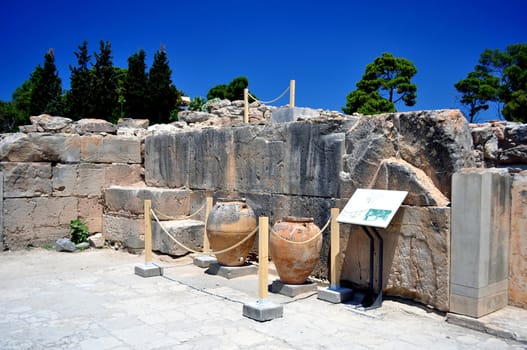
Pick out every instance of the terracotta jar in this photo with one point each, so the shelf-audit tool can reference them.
(229, 222)
(295, 262)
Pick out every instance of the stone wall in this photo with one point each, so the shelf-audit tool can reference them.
(306, 167)
(57, 170)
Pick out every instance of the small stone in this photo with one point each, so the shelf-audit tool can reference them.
(64, 245)
(96, 240)
(82, 245)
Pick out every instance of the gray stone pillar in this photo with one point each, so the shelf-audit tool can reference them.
(481, 203)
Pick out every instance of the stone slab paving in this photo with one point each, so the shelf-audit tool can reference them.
(93, 300)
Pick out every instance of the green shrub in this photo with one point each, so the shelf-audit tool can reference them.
(79, 231)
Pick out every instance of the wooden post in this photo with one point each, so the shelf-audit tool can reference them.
(206, 243)
(246, 105)
(263, 256)
(148, 232)
(334, 250)
(292, 93)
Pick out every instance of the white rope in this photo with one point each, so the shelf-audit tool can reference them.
(272, 101)
(198, 252)
(182, 217)
(306, 241)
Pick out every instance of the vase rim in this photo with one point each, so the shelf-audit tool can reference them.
(298, 219)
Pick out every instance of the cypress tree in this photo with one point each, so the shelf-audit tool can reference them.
(78, 98)
(162, 94)
(46, 93)
(104, 96)
(135, 86)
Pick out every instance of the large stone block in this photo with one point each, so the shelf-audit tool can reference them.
(260, 159)
(187, 232)
(313, 159)
(292, 114)
(129, 201)
(397, 174)
(437, 142)
(40, 147)
(518, 243)
(123, 174)
(416, 255)
(90, 213)
(64, 179)
(481, 209)
(119, 228)
(90, 179)
(33, 221)
(110, 149)
(26, 179)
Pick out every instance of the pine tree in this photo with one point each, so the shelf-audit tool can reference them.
(387, 80)
(78, 98)
(46, 93)
(104, 97)
(162, 94)
(135, 86)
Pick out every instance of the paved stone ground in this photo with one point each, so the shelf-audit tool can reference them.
(93, 300)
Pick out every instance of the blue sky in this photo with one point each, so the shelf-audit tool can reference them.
(324, 46)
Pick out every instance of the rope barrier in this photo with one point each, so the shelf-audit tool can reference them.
(272, 101)
(306, 241)
(183, 217)
(198, 252)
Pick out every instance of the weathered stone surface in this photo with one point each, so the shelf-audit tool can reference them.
(90, 125)
(96, 240)
(26, 179)
(90, 212)
(288, 114)
(437, 142)
(518, 242)
(65, 245)
(514, 155)
(187, 232)
(260, 159)
(299, 158)
(89, 179)
(33, 221)
(129, 201)
(416, 256)
(202, 159)
(118, 228)
(194, 117)
(123, 174)
(313, 159)
(133, 123)
(46, 122)
(110, 149)
(397, 174)
(40, 147)
(501, 143)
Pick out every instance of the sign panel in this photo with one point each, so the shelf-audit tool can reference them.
(372, 207)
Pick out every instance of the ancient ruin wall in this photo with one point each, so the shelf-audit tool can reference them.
(58, 170)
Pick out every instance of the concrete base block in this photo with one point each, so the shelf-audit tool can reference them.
(204, 261)
(335, 296)
(292, 290)
(148, 270)
(231, 271)
(263, 310)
